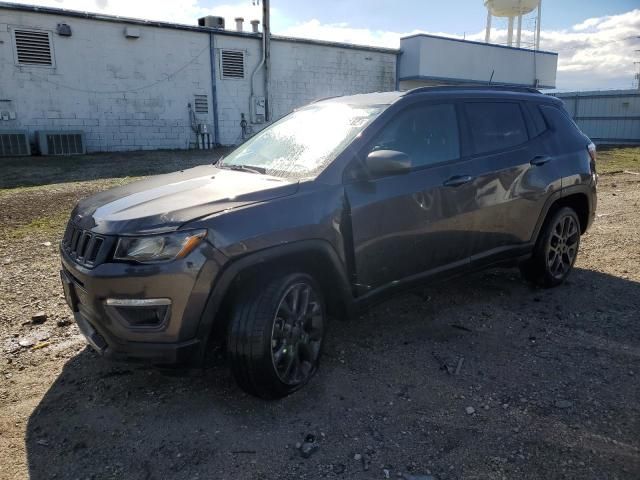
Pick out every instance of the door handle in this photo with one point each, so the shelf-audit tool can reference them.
(458, 180)
(540, 160)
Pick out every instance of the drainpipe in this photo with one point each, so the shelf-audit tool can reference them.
(266, 33)
(214, 93)
(253, 76)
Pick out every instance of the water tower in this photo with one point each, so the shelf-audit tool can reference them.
(512, 9)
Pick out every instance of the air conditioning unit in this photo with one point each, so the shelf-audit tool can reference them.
(69, 142)
(14, 143)
(212, 22)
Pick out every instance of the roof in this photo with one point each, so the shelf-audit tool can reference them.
(386, 98)
(179, 26)
(473, 42)
(598, 93)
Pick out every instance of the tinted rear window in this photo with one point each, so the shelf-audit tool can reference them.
(560, 121)
(495, 126)
(538, 124)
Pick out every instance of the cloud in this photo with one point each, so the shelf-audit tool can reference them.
(597, 53)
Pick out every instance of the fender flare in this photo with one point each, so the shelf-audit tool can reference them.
(586, 190)
(229, 273)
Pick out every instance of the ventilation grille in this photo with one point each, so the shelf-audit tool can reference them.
(33, 47)
(201, 104)
(84, 247)
(232, 64)
(14, 144)
(61, 143)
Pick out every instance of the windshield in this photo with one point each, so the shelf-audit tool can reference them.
(304, 142)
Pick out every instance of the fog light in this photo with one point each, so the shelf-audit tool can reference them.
(139, 312)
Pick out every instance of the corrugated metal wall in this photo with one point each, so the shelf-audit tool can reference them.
(607, 117)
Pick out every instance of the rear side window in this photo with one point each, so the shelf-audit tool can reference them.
(560, 122)
(537, 120)
(495, 126)
(428, 134)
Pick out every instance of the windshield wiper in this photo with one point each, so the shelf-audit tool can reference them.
(244, 168)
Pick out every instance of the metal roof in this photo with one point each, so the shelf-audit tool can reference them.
(179, 26)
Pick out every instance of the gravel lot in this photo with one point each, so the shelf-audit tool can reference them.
(483, 377)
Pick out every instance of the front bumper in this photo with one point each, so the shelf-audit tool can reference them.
(186, 282)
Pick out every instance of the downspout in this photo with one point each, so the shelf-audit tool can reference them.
(266, 33)
(256, 70)
(214, 91)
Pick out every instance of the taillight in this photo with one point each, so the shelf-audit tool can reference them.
(592, 151)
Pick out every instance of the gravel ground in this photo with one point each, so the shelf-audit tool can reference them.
(483, 377)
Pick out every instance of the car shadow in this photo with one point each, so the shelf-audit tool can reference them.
(391, 387)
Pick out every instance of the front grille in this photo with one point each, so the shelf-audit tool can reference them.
(83, 246)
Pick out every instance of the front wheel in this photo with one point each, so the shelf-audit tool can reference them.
(556, 250)
(275, 337)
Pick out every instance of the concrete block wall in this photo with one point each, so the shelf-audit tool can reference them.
(126, 94)
(300, 73)
(132, 93)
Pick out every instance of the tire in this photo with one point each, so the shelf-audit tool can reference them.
(556, 250)
(275, 336)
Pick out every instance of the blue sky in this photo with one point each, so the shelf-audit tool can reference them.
(596, 39)
(455, 16)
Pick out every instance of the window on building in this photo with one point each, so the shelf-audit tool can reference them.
(201, 104)
(495, 126)
(33, 47)
(428, 134)
(232, 63)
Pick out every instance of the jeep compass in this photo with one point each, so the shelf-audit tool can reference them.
(320, 214)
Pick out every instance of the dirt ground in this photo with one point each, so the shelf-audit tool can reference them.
(482, 377)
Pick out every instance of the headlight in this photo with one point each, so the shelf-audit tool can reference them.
(158, 248)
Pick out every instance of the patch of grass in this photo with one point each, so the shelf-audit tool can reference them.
(45, 226)
(19, 172)
(618, 159)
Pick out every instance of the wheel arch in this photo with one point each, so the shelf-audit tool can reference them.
(316, 257)
(577, 197)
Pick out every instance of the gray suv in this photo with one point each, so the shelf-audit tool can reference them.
(320, 214)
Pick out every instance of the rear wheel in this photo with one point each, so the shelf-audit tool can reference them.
(275, 337)
(556, 250)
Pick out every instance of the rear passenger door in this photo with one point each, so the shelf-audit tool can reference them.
(514, 175)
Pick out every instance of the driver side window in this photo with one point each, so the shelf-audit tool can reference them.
(428, 134)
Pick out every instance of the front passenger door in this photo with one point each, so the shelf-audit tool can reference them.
(410, 224)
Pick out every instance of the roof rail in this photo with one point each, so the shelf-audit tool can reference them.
(449, 88)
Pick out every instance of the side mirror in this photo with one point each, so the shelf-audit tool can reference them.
(388, 162)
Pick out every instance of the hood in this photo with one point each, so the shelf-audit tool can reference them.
(164, 202)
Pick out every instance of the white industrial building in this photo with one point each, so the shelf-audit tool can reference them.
(111, 83)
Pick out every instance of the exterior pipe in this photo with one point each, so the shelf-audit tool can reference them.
(266, 29)
(214, 92)
(253, 76)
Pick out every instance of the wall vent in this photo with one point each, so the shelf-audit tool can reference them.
(14, 143)
(201, 104)
(232, 63)
(61, 143)
(33, 47)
